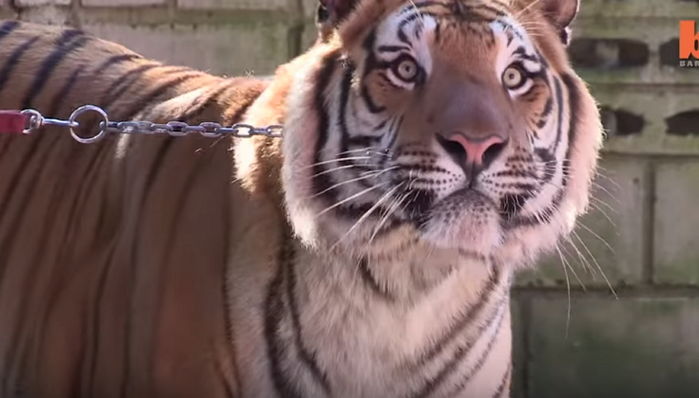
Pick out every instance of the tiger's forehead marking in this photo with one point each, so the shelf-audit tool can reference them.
(414, 25)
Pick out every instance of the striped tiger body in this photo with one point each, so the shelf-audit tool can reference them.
(431, 148)
(118, 248)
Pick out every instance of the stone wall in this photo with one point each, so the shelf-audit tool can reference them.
(642, 231)
(641, 239)
(227, 37)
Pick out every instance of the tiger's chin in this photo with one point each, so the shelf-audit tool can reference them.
(467, 221)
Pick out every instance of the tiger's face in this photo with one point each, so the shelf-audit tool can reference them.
(457, 125)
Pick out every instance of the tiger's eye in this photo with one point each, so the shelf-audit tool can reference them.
(407, 69)
(513, 78)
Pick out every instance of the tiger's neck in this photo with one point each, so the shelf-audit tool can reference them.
(348, 330)
(413, 322)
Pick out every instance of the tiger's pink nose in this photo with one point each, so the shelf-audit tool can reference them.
(476, 151)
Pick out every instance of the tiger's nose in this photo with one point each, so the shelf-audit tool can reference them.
(473, 151)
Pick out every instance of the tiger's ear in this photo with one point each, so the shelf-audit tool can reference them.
(561, 14)
(332, 12)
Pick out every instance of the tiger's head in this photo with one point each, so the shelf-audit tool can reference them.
(453, 125)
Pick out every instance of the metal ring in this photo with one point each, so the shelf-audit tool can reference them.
(36, 120)
(103, 124)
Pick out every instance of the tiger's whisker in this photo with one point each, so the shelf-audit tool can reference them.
(390, 211)
(604, 213)
(365, 177)
(334, 161)
(368, 213)
(599, 267)
(583, 260)
(596, 235)
(565, 272)
(353, 197)
(328, 171)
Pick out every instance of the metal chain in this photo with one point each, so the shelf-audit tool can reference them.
(36, 120)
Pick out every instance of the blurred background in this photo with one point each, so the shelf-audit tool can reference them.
(630, 325)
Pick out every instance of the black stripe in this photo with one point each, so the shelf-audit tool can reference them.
(402, 36)
(559, 103)
(504, 383)
(383, 124)
(416, 6)
(21, 347)
(423, 168)
(277, 350)
(542, 217)
(370, 280)
(103, 274)
(322, 181)
(142, 102)
(418, 31)
(344, 100)
(389, 81)
(91, 171)
(472, 255)
(308, 359)
(521, 173)
(7, 27)
(222, 374)
(40, 149)
(394, 130)
(225, 288)
(50, 63)
(96, 318)
(153, 171)
(123, 83)
(574, 104)
(548, 108)
(392, 49)
(549, 160)
(59, 98)
(438, 32)
(522, 186)
(114, 60)
(481, 361)
(480, 7)
(345, 138)
(461, 352)
(369, 102)
(352, 211)
(370, 64)
(465, 320)
(363, 141)
(67, 36)
(13, 60)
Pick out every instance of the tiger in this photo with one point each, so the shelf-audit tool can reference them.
(431, 148)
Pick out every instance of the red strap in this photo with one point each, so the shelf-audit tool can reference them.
(12, 122)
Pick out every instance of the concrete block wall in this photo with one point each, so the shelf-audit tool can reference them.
(643, 229)
(226, 37)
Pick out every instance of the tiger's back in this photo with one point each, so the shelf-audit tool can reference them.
(108, 287)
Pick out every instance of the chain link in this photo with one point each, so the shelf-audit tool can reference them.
(36, 120)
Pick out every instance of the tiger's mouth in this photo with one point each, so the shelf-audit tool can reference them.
(450, 209)
(467, 219)
(421, 212)
(378, 192)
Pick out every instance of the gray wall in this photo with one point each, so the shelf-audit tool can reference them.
(643, 230)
